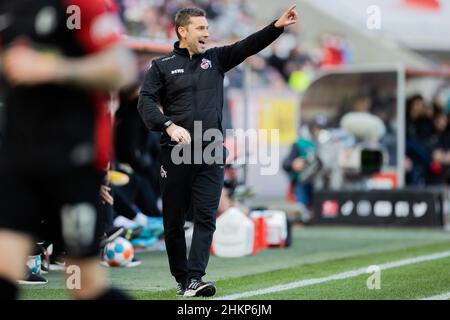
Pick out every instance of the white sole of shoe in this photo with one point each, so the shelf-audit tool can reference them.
(133, 264)
(207, 290)
(54, 267)
(104, 264)
(129, 265)
(31, 282)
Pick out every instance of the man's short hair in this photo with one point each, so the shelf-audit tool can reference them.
(182, 18)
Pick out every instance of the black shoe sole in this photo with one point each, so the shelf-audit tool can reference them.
(209, 291)
(25, 282)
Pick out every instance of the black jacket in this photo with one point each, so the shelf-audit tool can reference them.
(191, 88)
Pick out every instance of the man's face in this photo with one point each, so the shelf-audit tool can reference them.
(195, 34)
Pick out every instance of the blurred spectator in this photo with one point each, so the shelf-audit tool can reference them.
(277, 62)
(335, 51)
(299, 69)
(361, 102)
(383, 110)
(438, 146)
(419, 127)
(302, 157)
(418, 118)
(154, 19)
(134, 155)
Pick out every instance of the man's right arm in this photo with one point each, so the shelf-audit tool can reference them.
(149, 96)
(232, 55)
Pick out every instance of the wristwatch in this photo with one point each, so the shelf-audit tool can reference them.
(168, 123)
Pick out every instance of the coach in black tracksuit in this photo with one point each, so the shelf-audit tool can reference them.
(55, 78)
(188, 84)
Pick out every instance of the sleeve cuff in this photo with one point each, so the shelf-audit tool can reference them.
(276, 28)
(161, 126)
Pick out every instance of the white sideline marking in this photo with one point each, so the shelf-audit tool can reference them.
(339, 276)
(443, 296)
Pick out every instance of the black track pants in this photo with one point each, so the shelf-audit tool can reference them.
(183, 185)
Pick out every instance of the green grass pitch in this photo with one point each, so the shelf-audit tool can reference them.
(316, 252)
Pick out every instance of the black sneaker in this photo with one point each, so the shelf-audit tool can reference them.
(181, 288)
(133, 263)
(31, 278)
(198, 288)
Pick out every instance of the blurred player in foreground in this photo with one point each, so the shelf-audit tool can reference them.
(58, 61)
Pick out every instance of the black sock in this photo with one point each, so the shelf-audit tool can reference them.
(194, 276)
(182, 280)
(8, 290)
(113, 294)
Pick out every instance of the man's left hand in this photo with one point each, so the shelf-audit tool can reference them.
(287, 18)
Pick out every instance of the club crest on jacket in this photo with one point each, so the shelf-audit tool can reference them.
(163, 172)
(206, 64)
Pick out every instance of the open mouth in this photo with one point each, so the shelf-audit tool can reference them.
(202, 42)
